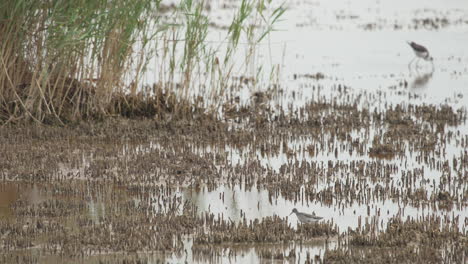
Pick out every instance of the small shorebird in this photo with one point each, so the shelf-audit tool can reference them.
(421, 53)
(306, 218)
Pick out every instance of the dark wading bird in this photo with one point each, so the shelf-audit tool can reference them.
(306, 218)
(421, 52)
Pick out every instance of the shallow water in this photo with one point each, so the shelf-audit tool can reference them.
(361, 45)
(357, 44)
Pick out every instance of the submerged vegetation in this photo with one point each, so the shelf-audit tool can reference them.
(408, 241)
(125, 185)
(163, 144)
(68, 60)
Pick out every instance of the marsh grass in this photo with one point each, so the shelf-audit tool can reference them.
(62, 61)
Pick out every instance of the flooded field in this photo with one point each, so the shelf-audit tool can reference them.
(345, 130)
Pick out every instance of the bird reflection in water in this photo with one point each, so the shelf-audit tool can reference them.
(421, 80)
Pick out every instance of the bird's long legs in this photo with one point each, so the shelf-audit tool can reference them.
(417, 63)
(409, 65)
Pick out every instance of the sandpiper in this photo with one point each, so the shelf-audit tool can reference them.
(421, 53)
(306, 218)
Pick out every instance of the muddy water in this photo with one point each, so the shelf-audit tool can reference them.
(113, 194)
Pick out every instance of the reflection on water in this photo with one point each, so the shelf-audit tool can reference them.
(292, 252)
(421, 81)
(8, 195)
(237, 204)
(369, 73)
(11, 192)
(253, 253)
(97, 209)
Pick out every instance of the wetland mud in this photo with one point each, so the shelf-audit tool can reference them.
(135, 187)
(377, 150)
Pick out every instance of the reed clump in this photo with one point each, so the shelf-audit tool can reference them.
(65, 59)
(71, 60)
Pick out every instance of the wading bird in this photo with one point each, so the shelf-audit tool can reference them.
(306, 218)
(421, 53)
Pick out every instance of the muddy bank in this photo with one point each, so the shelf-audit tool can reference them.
(123, 185)
(375, 148)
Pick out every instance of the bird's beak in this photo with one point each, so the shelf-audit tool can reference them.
(291, 213)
